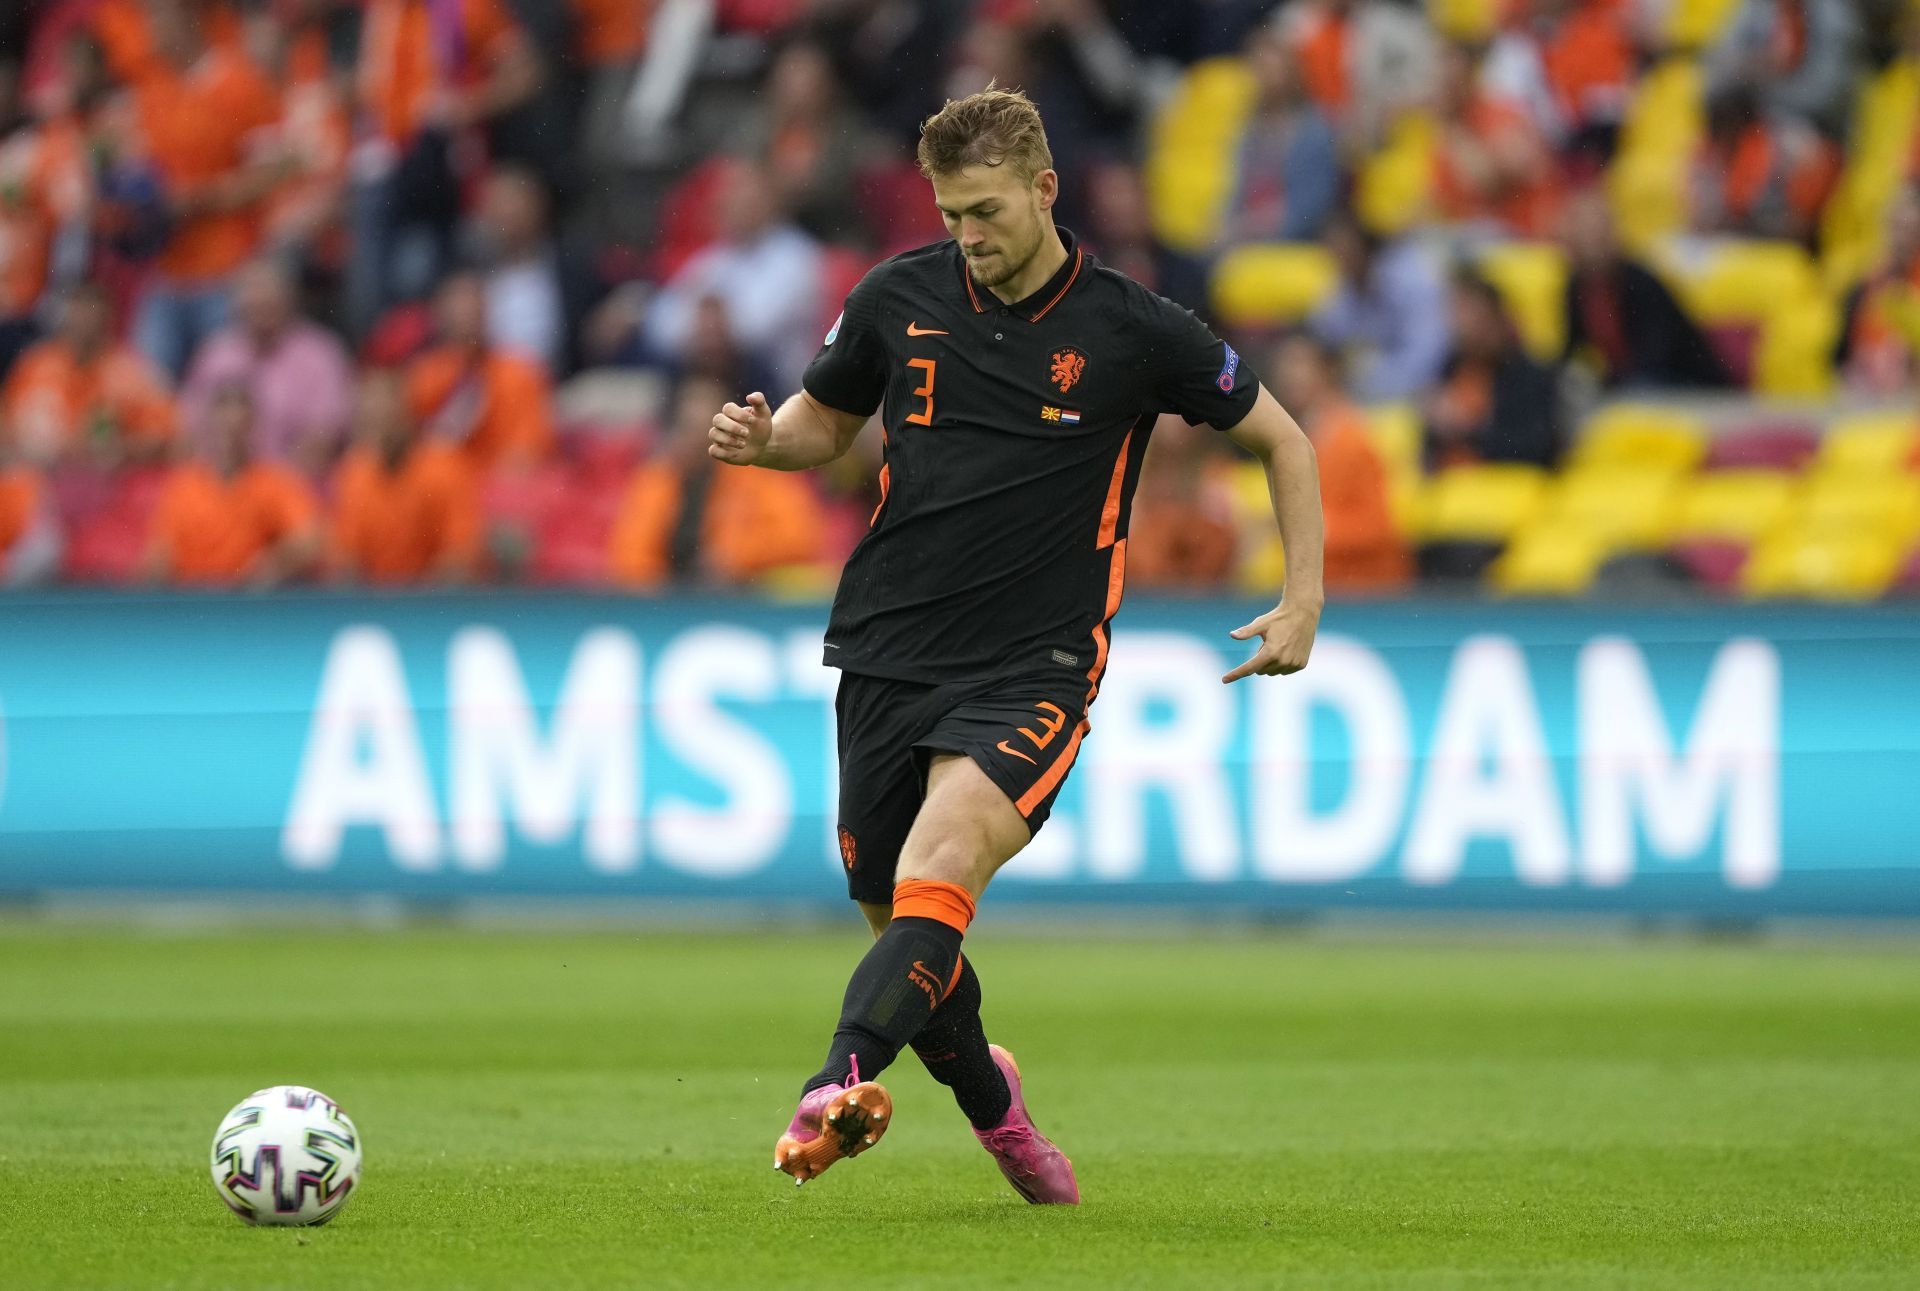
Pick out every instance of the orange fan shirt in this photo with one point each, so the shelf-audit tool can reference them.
(43, 182)
(1321, 44)
(197, 127)
(756, 520)
(401, 525)
(1589, 62)
(1364, 549)
(54, 401)
(212, 530)
(19, 501)
(495, 406)
(611, 31)
(316, 129)
(125, 34)
(402, 66)
(1528, 209)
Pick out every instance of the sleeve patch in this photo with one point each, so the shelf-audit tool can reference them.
(840, 318)
(1228, 370)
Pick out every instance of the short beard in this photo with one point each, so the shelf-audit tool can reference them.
(1014, 266)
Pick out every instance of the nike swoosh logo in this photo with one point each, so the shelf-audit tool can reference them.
(1002, 746)
(914, 329)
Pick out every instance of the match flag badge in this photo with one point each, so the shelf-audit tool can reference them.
(835, 329)
(1228, 370)
(1065, 416)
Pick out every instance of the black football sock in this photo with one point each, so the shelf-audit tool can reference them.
(896, 988)
(953, 1045)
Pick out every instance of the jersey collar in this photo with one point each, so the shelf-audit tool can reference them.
(1049, 294)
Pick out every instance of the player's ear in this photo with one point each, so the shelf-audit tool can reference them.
(1046, 189)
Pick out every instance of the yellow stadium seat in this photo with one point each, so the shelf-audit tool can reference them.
(1641, 437)
(1624, 508)
(1647, 184)
(1776, 287)
(1532, 278)
(1481, 503)
(1666, 116)
(1469, 20)
(1734, 505)
(1831, 565)
(1694, 24)
(1395, 431)
(1190, 152)
(1748, 280)
(1869, 442)
(1647, 192)
(1885, 504)
(1396, 434)
(1393, 186)
(1550, 559)
(1271, 283)
(1852, 230)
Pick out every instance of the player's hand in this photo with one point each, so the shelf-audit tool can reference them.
(1286, 639)
(740, 433)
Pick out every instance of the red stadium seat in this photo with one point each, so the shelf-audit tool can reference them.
(898, 207)
(841, 269)
(1766, 447)
(1712, 564)
(686, 217)
(106, 520)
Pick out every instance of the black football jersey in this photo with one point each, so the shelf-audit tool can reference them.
(1014, 435)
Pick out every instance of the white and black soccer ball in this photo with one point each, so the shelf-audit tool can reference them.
(286, 1155)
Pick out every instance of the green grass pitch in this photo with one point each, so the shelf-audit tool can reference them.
(599, 1110)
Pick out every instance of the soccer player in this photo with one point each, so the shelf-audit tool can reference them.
(1017, 380)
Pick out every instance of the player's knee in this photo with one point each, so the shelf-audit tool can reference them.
(949, 858)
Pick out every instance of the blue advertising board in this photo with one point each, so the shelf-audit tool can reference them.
(1706, 759)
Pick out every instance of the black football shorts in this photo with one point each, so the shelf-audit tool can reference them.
(1023, 731)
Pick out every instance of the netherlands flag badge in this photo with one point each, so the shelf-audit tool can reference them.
(1068, 417)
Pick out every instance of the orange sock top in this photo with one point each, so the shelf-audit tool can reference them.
(943, 902)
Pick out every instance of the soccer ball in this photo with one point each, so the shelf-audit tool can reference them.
(286, 1155)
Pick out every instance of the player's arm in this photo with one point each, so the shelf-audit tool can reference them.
(803, 434)
(1293, 481)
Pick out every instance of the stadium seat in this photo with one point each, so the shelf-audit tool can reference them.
(1711, 563)
(1550, 559)
(1774, 287)
(1396, 434)
(1271, 284)
(1640, 437)
(1481, 503)
(1735, 505)
(1392, 186)
(1695, 24)
(1471, 21)
(1746, 280)
(1623, 508)
(1886, 114)
(1647, 183)
(1189, 168)
(1827, 565)
(1869, 442)
(1764, 447)
(1532, 278)
(1887, 505)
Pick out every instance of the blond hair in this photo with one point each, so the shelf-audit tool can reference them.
(992, 128)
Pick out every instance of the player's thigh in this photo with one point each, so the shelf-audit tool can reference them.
(966, 829)
(877, 722)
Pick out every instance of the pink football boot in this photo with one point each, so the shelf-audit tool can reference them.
(834, 1121)
(1038, 1171)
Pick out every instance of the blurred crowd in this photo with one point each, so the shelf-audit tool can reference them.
(403, 291)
